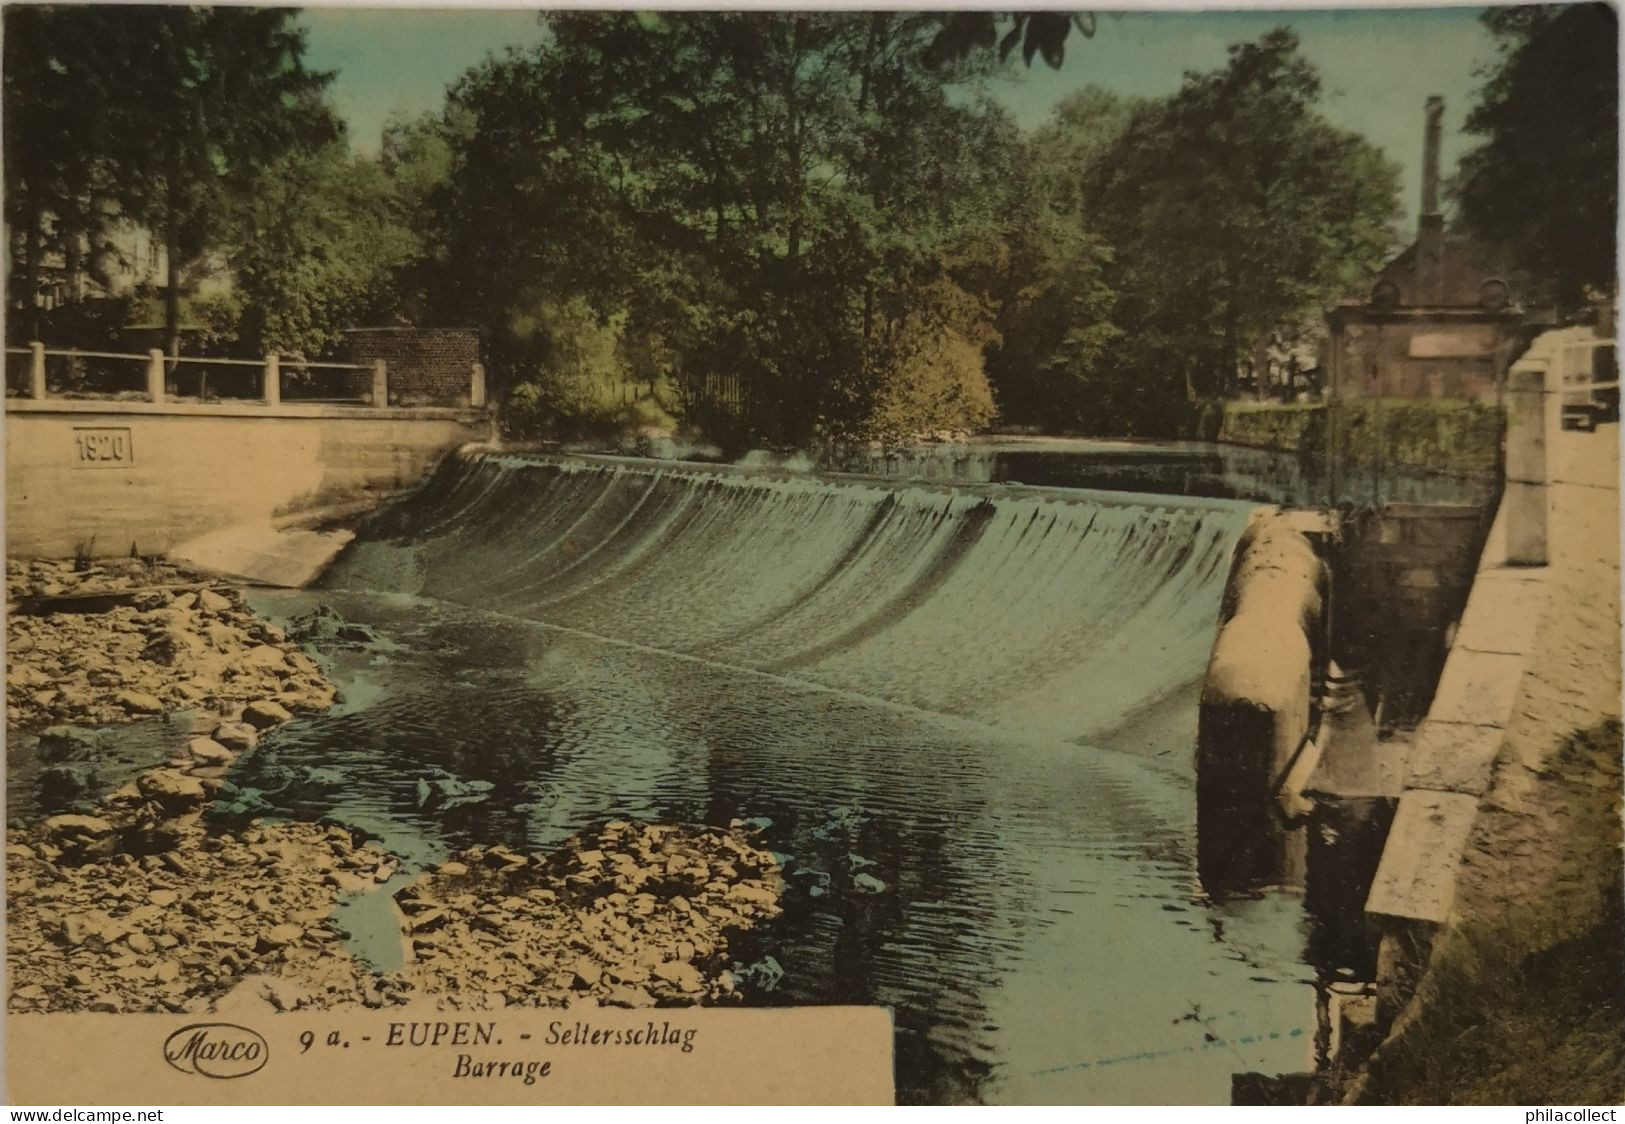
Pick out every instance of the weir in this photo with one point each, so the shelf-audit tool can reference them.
(1069, 616)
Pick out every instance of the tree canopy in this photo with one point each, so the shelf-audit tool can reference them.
(783, 228)
(165, 115)
(1545, 181)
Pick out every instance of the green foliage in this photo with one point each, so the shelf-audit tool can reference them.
(786, 228)
(163, 115)
(1037, 33)
(1231, 207)
(316, 245)
(1444, 435)
(1545, 182)
(764, 198)
(1159, 243)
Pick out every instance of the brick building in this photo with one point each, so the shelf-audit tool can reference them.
(1442, 319)
(427, 366)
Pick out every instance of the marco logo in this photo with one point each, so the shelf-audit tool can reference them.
(220, 1050)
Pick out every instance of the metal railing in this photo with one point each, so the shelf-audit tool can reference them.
(41, 373)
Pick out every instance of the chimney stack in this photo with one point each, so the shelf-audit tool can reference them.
(1430, 158)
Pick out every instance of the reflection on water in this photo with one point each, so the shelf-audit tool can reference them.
(1032, 914)
(963, 719)
(1185, 468)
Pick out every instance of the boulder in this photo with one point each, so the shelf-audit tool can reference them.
(171, 790)
(62, 830)
(63, 784)
(239, 737)
(264, 657)
(139, 702)
(212, 602)
(171, 645)
(279, 936)
(207, 751)
(262, 714)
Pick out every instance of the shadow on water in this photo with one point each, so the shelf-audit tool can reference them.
(964, 722)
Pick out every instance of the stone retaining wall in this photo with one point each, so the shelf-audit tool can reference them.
(108, 478)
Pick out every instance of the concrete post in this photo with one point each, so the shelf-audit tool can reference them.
(1525, 496)
(36, 370)
(273, 379)
(476, 390)
(155, 374)
(380, 383)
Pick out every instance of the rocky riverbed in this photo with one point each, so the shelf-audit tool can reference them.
(175, 892)
(123, 639)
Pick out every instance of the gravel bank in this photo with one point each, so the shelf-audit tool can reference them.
(176, 892)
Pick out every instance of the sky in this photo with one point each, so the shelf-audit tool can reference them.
(1378, 66)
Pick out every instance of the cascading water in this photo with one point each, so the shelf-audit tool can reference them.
(982, 700)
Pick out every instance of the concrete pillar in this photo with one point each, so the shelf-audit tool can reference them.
(155, 374)
(273, 379)
(1525, 495)
(36, 370)
(380, 383)
(476, 390)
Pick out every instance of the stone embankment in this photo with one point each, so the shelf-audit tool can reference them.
(173, 894)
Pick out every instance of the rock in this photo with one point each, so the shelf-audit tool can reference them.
(279, 936)
(173, 791)
(262, 714)
(61, 785)
(69, 829)
(453, 869)
(163, 898)
(755, 894)
(139, 943)
(346, 883)
(74, 930)
(263, 657)
(211, 602)
(585, 974)
(172, 645)
(500, 858)
(207, 751)
(868, 884)
(429, 920)
(139, 702)
(680, 974)
(239, 737)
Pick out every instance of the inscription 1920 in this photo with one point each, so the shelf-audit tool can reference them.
(102, 448)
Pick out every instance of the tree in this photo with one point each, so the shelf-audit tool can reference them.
(1232, 206)
(1037, 33)
(1055, 310)
(61, 121)
(1545, 182)
(314, 246)
(774, 199)
(209, 97)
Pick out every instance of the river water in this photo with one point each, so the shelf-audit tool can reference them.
(963, 714)
(964, 717)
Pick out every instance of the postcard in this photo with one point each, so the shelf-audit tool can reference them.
(812, 556)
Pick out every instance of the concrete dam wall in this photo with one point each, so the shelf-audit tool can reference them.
(109, 477)
(1061, 617)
